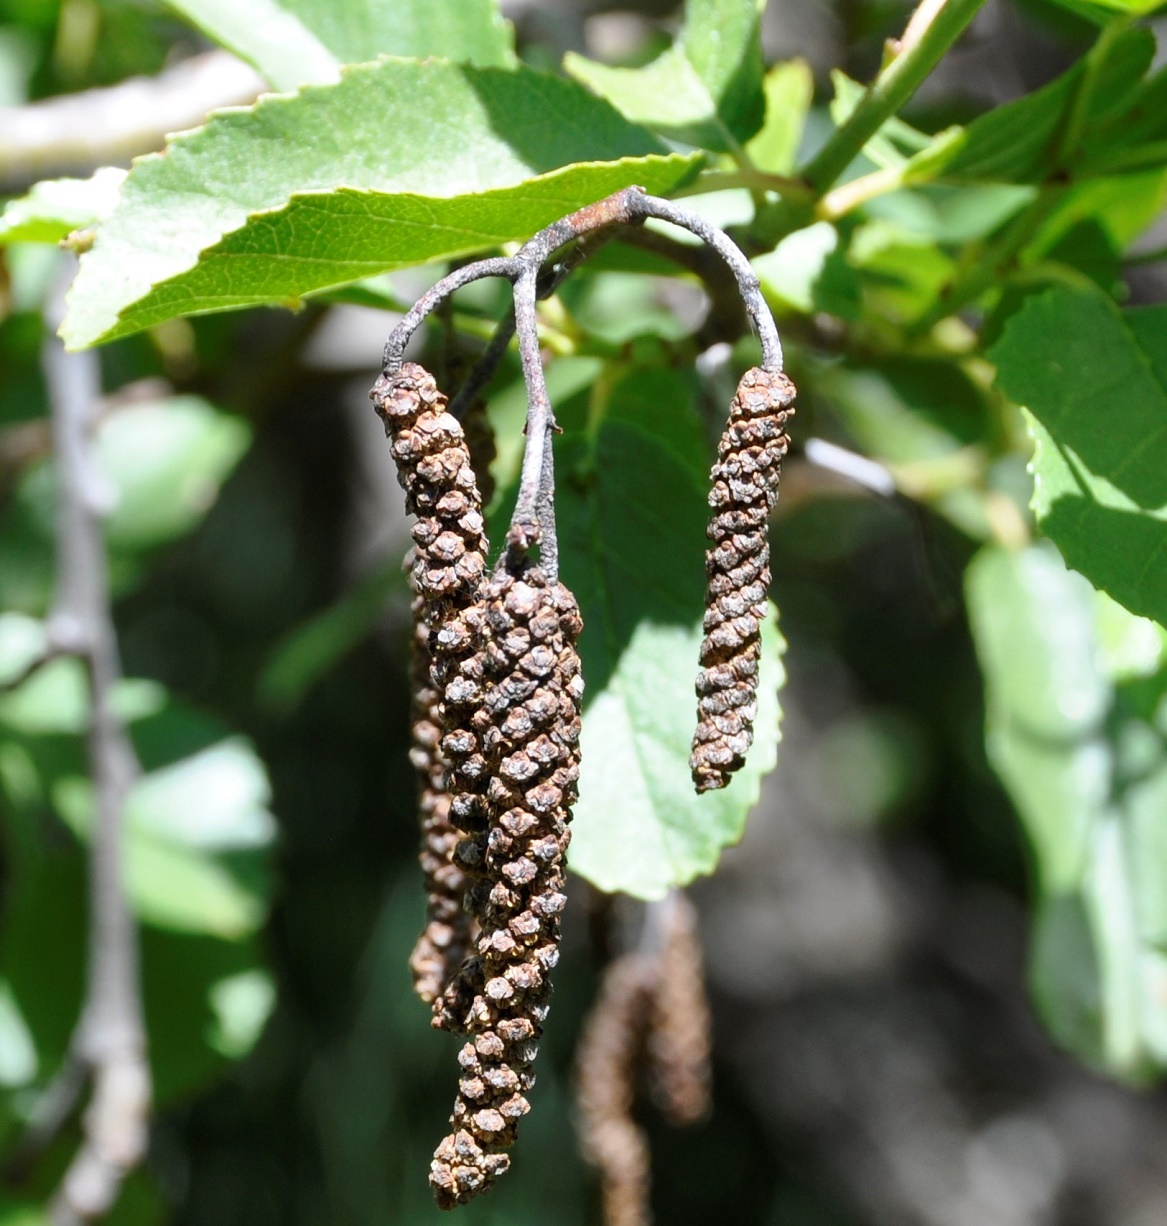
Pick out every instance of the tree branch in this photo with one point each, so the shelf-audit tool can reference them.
(109, 1043)
(77, 133)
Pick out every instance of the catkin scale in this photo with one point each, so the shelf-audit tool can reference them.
(744, 483)
(514, 766)
(447, 565)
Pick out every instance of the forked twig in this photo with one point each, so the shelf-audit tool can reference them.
(532, 522)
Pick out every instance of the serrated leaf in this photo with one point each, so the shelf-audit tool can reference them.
(1094, 380)
(56, 207)
(1089, 777)
(302, 42)
(397, 164)
(632, 515)
(706, 89)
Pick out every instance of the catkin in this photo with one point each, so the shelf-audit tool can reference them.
(447, 569)
(679, 1031)
(443, 942)
(514, 757)
(744, 489)
(606, 1066)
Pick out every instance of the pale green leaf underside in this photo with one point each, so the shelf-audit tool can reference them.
(632, 516)
(305, 42)
(397, 164)
(1094, 380)
(55, 207)
(705, 89)
(1089, 778)
(187, 826)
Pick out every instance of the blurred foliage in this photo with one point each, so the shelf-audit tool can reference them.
(971, 330)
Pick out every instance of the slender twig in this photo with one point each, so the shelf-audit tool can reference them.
(533, 521)
(109, 1043)
(551, 279)
(931, 30)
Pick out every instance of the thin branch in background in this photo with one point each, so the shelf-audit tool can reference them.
(108, 1048)
(77, 133)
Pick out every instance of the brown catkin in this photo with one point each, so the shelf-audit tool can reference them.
(679, 1033)
(447, 569)
(514, 760)
(744, 489)
(444, 940)
(606, 1065)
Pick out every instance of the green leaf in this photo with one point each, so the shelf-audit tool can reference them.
(789, 91)
(808, 271)
(186, 825)
(1088, 774)
(167, 460)
(56, 207)
(397, 164)
(632, 517)
(1020, 141)
(1094, 380)
(305, 42)
(706, 89)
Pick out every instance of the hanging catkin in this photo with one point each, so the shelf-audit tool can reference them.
(606, 1066)
(679, 1031)
(744, 489)
(515, 765)
(447, 567)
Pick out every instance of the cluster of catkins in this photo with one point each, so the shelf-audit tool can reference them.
(496, 744)
(496, 726)
(651, 1008)
(744, 489)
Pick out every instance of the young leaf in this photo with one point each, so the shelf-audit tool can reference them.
(305, 42)
(632, 518)
(56, 207)
(706, 89)
(1089, 777)
(398, 163)
(789, 92)
(1094, 380)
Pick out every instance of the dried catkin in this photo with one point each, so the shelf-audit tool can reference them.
(744, 489)
(447, 569)
(609, 1052)
(443, 942)
(679, 1033)
(514, 761)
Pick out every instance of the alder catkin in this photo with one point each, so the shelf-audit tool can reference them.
(744, 489)
(514, 758)
(443, 942)
(609, 1052)
(447, 569)
(679, 1030)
